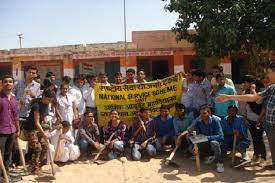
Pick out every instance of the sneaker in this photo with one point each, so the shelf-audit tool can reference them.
(208, 160)
(220, 167)
(245, 156)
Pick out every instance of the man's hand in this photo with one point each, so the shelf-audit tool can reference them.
(18, 133)
(31, 93)
(236, 132)
(222, 98)
(97, 146)
(143, 145)
(45, 135)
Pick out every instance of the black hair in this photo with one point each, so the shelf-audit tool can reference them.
(79, 77)
(49, 74)
(66, 79)
(65, 124)
(7, 76)
(164, 107)
(248, 78)
(49, 93)
(205, 106)
(118, 74)
(87, 112)
(199, 73)
(143, 109)
(180, 106)
(234, 107)
(131, 71)
(221, 75)
(220, 68)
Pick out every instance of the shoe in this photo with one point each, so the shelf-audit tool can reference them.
(245, 156)
(220, 167)
(208, 160)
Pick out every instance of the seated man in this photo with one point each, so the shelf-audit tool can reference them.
(211, 128)
(164, 128)
(88, 134)
(67, 151)
(182, 121)
(234, 124)
(143, 134)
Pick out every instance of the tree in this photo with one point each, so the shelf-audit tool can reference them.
(226, 27)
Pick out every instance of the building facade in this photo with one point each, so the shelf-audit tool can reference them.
(156, 52)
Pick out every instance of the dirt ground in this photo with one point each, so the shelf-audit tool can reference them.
(151, 170)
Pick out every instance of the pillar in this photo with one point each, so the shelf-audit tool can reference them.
(68, 66)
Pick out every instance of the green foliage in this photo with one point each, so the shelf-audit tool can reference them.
(225, 27)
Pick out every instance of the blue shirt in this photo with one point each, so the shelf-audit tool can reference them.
(181, 125)
(212, 129)
(164, 128)
(238, 125)
(221, 107)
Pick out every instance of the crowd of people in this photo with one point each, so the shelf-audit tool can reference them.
(62, 120)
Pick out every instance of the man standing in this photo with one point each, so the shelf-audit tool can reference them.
(26, 91)
(269, 97)
(9, 120)
(141, 77)
(223, 88)
(130, 76)
(35, 127)
(77, 92)
(200, 91)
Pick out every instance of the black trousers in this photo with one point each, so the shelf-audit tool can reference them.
(257, 138)
(6, 145)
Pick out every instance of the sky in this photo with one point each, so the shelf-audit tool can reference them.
(46, 23)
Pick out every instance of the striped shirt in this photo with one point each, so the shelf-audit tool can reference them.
(269, 97)
(142, 136)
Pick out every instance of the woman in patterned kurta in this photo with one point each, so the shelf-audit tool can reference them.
(118, 127)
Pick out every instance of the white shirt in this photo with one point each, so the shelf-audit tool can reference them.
(65, 107)
(89, 96)
(79, 99)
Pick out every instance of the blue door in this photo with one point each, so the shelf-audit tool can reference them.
(111, 68)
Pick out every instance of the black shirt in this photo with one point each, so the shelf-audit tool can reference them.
(37, 106)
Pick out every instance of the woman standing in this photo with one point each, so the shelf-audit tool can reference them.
(253, 110)
(66, 105)
(115, 128)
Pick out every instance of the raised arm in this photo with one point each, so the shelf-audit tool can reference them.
(240, 98)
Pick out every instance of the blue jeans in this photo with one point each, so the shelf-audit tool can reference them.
(227, 145)
(136, 154)
(161, 141)
(84, 146)
(117, 150)
(208, 148)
